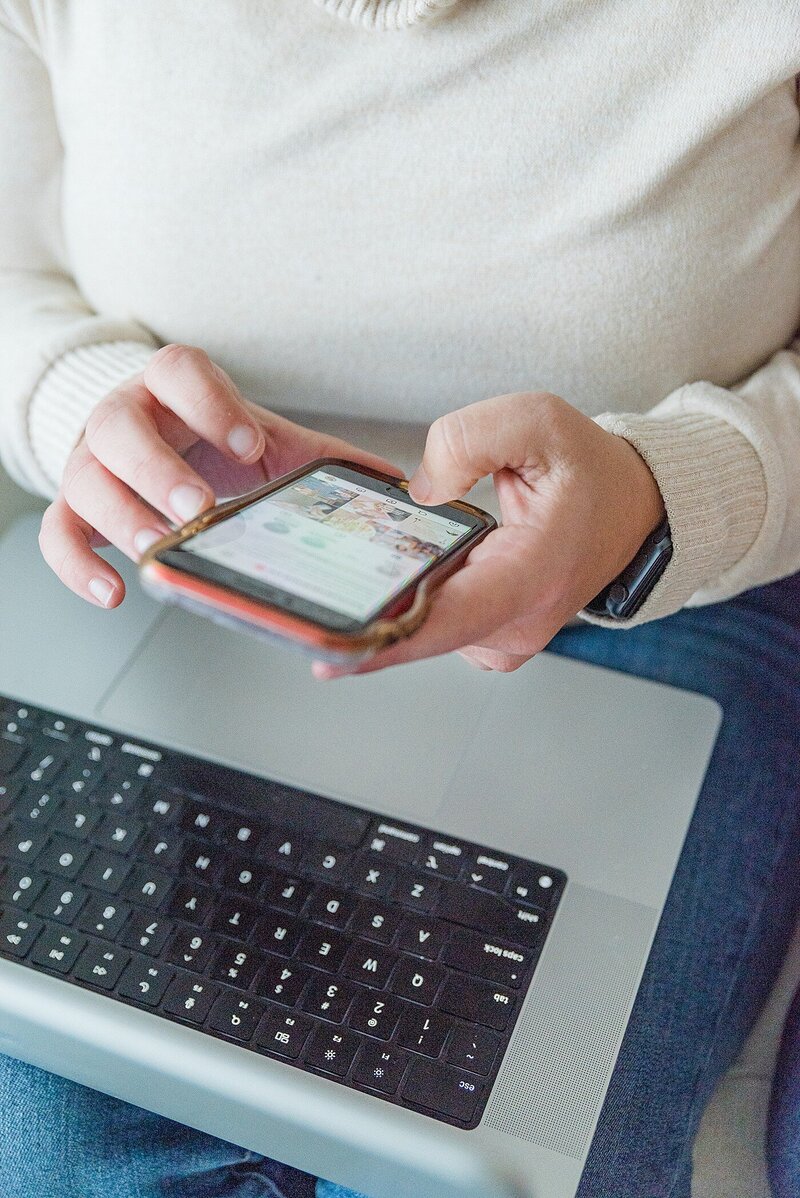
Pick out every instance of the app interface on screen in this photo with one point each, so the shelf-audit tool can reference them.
(333, 542)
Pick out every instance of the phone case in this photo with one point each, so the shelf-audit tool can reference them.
(234, 610)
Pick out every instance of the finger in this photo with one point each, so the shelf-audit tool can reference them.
(108, 506)
(200, 393)
(122, 434)
(66, 544)
(482, 438)
(495, 659)
(479, 598)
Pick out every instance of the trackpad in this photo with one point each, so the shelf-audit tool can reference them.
(385, 742)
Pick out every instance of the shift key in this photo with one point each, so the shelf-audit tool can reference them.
(449, 1092)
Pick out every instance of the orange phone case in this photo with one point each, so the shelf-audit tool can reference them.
(402, 616)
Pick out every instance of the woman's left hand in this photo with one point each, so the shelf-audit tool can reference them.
(577, 503)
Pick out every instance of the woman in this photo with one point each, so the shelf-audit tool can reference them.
(403, 207)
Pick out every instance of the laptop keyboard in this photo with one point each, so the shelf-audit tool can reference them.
(378, 953)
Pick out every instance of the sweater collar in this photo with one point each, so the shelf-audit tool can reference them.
(386, 14)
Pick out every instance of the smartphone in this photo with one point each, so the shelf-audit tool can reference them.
(333, 558)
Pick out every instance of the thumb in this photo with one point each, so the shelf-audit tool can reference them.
(482, 438)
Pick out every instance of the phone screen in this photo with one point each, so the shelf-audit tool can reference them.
(325, 538)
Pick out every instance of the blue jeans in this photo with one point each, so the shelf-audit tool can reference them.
(724, 931)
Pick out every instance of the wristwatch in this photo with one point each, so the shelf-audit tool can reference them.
(623, 597)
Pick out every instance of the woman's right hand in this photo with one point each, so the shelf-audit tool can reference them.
(153, 453)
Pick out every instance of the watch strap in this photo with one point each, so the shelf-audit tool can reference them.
(625, 594)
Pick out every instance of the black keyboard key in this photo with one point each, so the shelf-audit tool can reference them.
(417, 980)
(283, 1034)
(235, 917)
(376, 921)
(281, 981)
(42, 767)
(486, 871)
(282, 848)
(105, 871)
(11, 754)
(191, 948)
(440, 857)
(369, 963)
(236, 965)
(324, 860)
(58, 948)
(101, 964)
(145, 980)
(380, 1067)
(331, 821)
(81, 779)
(146, 932)
(474, 1049)
(64, 858)
(286, 893)
(18, 932)
(202, 860)
(393, 843)
(476, 1002)
(244, 876)
(328, 998)
(190, 901)
(236, 1015)
(201, 818)
(163, 848)
(534, 885)
(119, 792)
(60, 902)
(243, 833)
(372, 877)
(443, 1089)
(323, 948)
(278, 934)
(190, 997)
(21, 843)
(76, 818)
(148, 886)
(484, 912)
(423, 1031)
(416, 889)
(423, 937)
(104, 915)
(332, 1051)
(495, 960)
(38, 808)
(331, 906)
(20, 888)
(376, 1014)
(9, 791)
(161, 808)
(117, 833)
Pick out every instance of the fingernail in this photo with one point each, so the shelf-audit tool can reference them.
(101, 590)
(243, 440)
(186, 501)
(144, 539)
(419, 487)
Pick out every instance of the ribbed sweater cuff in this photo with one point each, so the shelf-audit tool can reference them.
(716, 468)
(69, 390)
(386, 14)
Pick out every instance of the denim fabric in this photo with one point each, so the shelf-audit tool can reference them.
(724, 931)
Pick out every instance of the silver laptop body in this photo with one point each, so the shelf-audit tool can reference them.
(580, 768)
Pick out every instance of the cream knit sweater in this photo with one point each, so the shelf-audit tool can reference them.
(401, 206)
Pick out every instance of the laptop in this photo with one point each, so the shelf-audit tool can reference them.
(388, 930)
